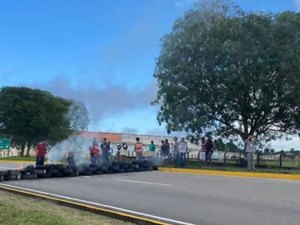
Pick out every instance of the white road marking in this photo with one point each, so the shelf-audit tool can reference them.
(86, 176)
(100, 205)
(143, 182)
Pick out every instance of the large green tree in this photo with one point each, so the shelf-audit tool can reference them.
(28, 115)
(232, 72)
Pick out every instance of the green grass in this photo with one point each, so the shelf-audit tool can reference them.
(18, 158)
(20, 210)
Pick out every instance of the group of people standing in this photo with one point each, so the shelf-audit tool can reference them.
(99, 154)
(206, 149)
(177, 150)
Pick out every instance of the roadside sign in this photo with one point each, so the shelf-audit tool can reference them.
(4, 144)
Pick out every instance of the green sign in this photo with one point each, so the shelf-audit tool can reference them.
(4, 144)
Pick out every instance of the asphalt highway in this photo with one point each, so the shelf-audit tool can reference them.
(194, 199)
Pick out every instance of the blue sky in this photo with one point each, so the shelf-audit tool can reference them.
(96, 51)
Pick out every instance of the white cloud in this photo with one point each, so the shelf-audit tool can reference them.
(297, 2)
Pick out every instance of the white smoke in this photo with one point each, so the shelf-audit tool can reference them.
(78, 146)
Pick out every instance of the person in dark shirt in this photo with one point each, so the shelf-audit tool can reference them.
(167, 147)
(209, 149)
(105, 147)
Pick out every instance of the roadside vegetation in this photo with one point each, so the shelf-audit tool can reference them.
(17, 209)
(18, 158)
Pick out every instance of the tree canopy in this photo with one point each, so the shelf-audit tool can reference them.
(29, 115)
(232, 72)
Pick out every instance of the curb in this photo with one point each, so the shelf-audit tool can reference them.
(136, 219)
(232, 174)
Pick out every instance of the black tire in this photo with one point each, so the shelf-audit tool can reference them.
(135, 162)
(59, 167)
(14, 173)
(126, 166)
(68, 171)
(39, 171)
(74, 174)
(3, 173)
(60, 174)
(129, 170)
(93, 169)
(149, 168)
(98, 172)
(114, 169)
(54, 173)
(86, 172)
(122, 171)
(29, 176)
(46, 175)
(105, 170)
(28, 170)
(12, 177)
(141, 169)
(147, 165)
(155, 167)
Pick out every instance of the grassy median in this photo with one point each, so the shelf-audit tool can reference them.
(18, 158)
(20, 210)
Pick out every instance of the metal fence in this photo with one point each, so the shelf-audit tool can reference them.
(238, 159)
(262, 160)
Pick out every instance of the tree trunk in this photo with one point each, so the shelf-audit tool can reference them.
(22, 150)
(28, 149)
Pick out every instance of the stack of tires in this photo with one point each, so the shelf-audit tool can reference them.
(144, 165)
(2, 174)
(59, 170)
(28, 173)
(10, 175)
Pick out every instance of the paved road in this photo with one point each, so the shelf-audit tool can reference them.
(196, 199)
(9, 165)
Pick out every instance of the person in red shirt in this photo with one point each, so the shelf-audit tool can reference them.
(95, 154)
(41, 151)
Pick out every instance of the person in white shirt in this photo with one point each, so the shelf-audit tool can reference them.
(250, 147)
(182, 149)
